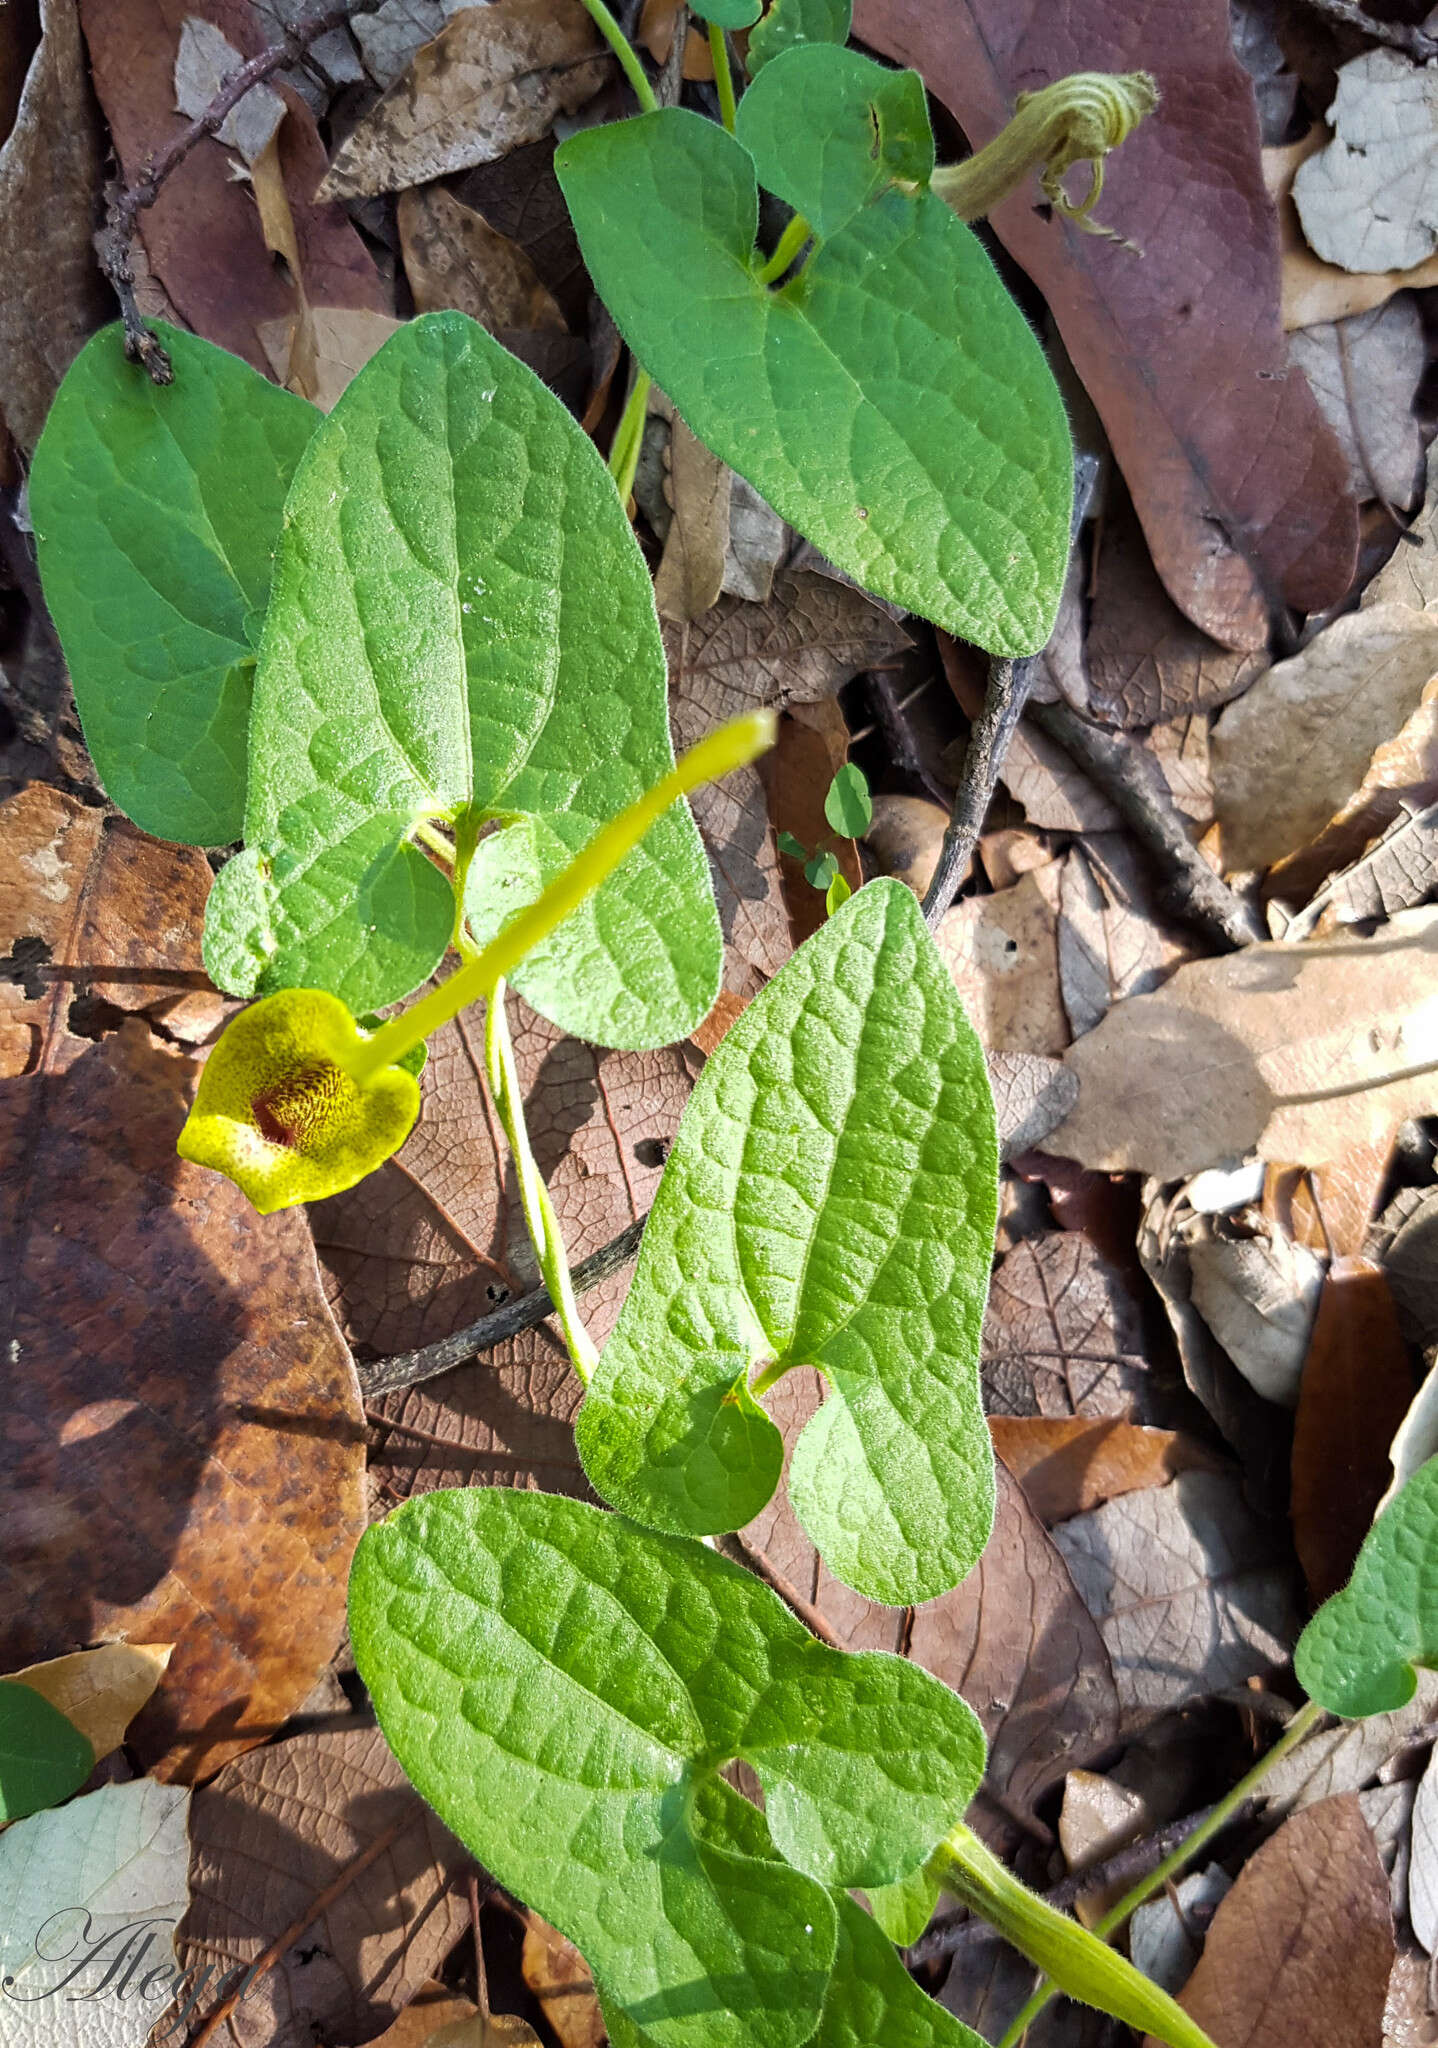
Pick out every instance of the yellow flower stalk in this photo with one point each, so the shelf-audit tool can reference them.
(297, 1101)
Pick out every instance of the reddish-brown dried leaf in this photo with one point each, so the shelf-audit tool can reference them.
(274, 1831)
(1063, 1334)
(436, 1239)
(1241, 487)
(1301, 1949)
(183, 1451)
(203, 232)
(1356, 1388)
(1068, 1464)
(95, 919)
(561, 1980)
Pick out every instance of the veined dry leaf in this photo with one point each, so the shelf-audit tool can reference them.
(1369, 201)
(317, 352)
(758, 543)
(390, 37)
(561, 1980)
(493, 78)
(1350, 1755)
(519, 196)
(271, 1833)
(1356, 1388)
(1402, 776)
(1258, 1293)
(453, 257)
(690, 576)
(1002, 951)
(1112, 942)
(1063, 1335)
(203, 234)
(424, 2020)
(1301, 1948)
(1032, 1096)
(80, 894)
(1294, 1052)
(1190, 1591)
(1236, 477)
(51, 173)
(1398, 871)
(1315, 291)
(1293, 750)
(1068, 1464)
(1181, 748)
(1364, 372)
(191, 1472)
(100, 1690)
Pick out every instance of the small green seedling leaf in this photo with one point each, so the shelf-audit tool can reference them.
(1357, 1655)
(43, 1755)
(829, 130)
(889, 400)
(821, 870)
(844, 1132)
(565, 1689)
(462, 628)
(836, 895)
(156, 511)
(790, 22)
(795, 848)
(848, 807)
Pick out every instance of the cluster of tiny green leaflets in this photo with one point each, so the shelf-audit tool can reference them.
(888, 397)
(849, 812)
(829, 1201)
(1357, 1655)
(457, 627)
(44, 1757)
(566, 1690)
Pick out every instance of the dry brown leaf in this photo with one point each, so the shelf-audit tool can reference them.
(204, 60)
(1258, 1293)
(1302, 1947)
(1191, 1592)
(1411, 1264)
(1315, 291)
(1365, 372)
(1032, 1096)
(1410, 575)
(454, 258)
(191, 1472)
(1181, 748)
(1397, 872)
(1292, 751)
(1356, 1389)
(1409, 2017)
(519, 196)
(391, 35)
(1368, 201)
(905, 838)
(100, 1690)
(690, 576)
(1056, 795)
(1296, 1052)
(272, 1832)
(429, 2012)
(1098, 1818)
(1112, 941)
(759, 541)
(51, 173)
(1068, 1464)
(317, 352)
(1002, 951)
(657, 22)
(88, 908)
(495, 77)
(1347, 1757)
(813, 745)
(1063, 1335)
(561, 1980)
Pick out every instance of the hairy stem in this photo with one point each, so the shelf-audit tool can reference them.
(625, 51)
(544, 1231)
(1217, 1818)
(629, 435)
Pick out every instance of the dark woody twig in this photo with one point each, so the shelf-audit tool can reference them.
(1397, 34)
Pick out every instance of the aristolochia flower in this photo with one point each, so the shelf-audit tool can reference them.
(279, 1108)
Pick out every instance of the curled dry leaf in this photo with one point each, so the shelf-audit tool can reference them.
(1240, 486)
(191, 1474)
(1303, 1944)
(277, 1828)
(690, 576)
(453, 257)
(494, 77)
(1398, 871)
(1298, 1053)
(905, 837)
(1350, 1754)
(1315, 291)
(1258, 1292)
(1423, 1863)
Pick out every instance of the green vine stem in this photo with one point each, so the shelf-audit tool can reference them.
(723, 76)
(795, 235)
(544, 1231)
(629, 435)
(625, 51)
(1301, 1726)
(1076, 1959)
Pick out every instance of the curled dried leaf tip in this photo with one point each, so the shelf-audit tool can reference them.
(1076, 120)
(281, 1111)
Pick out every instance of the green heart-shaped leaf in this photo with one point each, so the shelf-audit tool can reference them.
(565, 1689)
(1356, 1656)
(790, 22)
(463, 629)
(829, 130)
(156, 511)
(830, 1200)
(889, 400)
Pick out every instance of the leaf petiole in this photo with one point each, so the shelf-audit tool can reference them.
(624, 50)
(723, 76)
(629, 435)
(795, 235)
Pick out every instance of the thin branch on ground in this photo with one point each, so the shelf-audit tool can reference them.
(125, 203)
(1004, 701)
(1397, 34)
(1133, 783)
(408, 1368)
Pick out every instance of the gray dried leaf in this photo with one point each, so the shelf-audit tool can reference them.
(1063, 1334)
(203, 61)
(1032, 1096)
(1259, 1296)
(758, 543)
(1369, 201)
(1350, 1755)
(1364, 372)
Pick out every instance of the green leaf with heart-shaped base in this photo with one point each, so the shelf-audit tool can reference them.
(565, 1689)
(830, 1201)
(156, 511)
(1357, 1655)
(889, 400)
(791, 22)
(462, 629)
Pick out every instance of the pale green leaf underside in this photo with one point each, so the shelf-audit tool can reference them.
(462, 626)
(156, 511)
(830, 1201)
(564, 1689)
(1356, 1656)
(791, 22)
(889, 401)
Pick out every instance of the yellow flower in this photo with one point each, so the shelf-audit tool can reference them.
(279, 1108)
